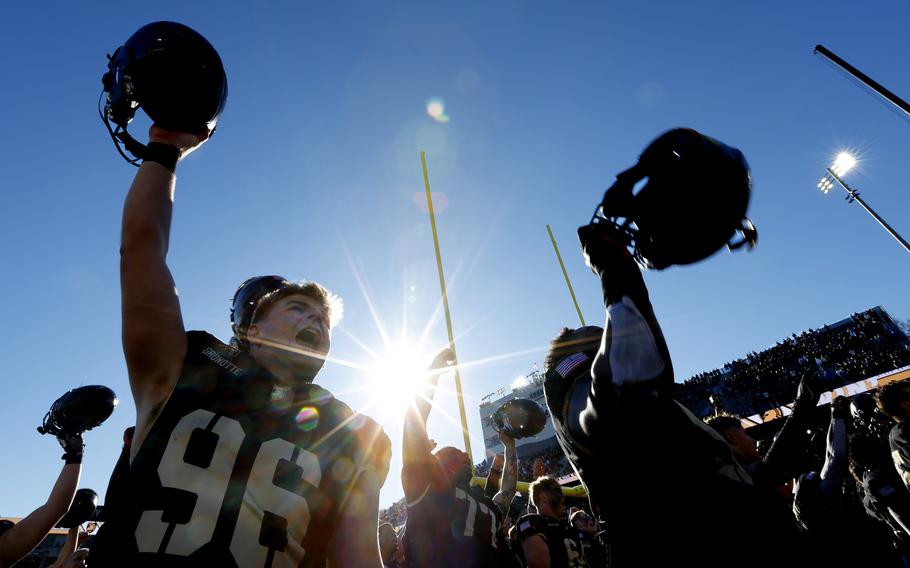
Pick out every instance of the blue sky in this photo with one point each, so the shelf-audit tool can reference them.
(314, 167)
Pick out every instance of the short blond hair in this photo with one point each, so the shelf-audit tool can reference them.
(544, 485)
(330, 302)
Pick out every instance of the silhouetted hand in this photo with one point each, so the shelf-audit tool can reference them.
(809, 390)
(840, 408)
(445, 358)
(186, 142)
(72, 445)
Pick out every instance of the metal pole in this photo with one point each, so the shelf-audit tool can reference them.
(566, 274)
(854, 195)
(865, 79)
(445, 305)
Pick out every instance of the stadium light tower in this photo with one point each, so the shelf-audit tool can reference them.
(843, 164)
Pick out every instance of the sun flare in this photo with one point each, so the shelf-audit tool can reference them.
(397, 374)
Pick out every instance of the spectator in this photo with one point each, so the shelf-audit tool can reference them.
(763, 380)
(783, 460)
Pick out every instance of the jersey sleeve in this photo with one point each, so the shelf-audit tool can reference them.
(366, 444)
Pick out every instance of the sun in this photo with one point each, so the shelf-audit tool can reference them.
(397, 375)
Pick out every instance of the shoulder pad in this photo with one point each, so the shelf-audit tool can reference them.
(371, 446)
(530, 525)
(200, 340)
(205, 353)
(559, 381)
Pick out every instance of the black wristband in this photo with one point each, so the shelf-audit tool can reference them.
(163, 154)
(72, 458)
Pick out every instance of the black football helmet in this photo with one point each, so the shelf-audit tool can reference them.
(244, 303)
(79, 410)
(83, 507)
(172, 73)
(519, 418)
(693, 203)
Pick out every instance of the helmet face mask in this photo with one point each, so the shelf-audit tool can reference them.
(693, 202)
(79, 410)
(172, 73)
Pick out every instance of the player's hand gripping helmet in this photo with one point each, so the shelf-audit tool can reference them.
(693, 203)
(173, 74)
(244, 304)
(519, 418)
(79, 410)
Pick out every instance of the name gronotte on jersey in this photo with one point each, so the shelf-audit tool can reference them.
(231, 476)
(564, 546)
(448, 526)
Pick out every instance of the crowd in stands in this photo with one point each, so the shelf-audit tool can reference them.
(396, 514)
(865, 345)
(549, 461)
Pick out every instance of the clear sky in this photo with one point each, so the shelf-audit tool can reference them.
(315, 173)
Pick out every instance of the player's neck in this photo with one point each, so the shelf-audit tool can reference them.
(549, 515)
(289, 377)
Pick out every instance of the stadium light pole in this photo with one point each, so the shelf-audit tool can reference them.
(842, 164)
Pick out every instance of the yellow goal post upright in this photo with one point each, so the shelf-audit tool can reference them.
(522, 486)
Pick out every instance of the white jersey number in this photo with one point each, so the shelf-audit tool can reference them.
(197, 465)
(473, 504)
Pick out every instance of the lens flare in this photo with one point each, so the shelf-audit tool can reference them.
(308, 418)
(843, 163)
(436, 109)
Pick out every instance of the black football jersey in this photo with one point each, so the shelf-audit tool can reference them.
(562, 541)
(449, 526)
(229, 475)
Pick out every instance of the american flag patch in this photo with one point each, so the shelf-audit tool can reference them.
(570, 363)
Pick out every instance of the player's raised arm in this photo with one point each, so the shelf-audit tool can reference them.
(509, 474)
(154, 341)
(17, 541)
(416, 441)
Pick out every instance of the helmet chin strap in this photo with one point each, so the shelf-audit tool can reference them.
(132, 145)
(120, 136)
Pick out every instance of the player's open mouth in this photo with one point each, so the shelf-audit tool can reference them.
(308, 337)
